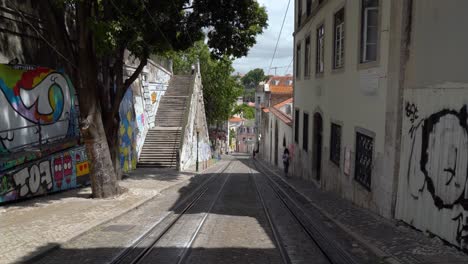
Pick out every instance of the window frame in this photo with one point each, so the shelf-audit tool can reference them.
(307, 57)
(371, 135)
(299, 13)
(363, 32)
(342, 39)
(332, 159)
(320, 49)
(308, 7)
(297, 115)
(298, 61)
(305, 131)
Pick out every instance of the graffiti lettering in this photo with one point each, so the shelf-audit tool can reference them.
(29, 179)
(51, 174)
(437, 169)
(33, 98)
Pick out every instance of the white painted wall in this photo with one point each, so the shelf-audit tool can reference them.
(432, 191)
(284, 131)
(354, 97)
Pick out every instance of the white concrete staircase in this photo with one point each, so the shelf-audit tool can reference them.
(163, 141)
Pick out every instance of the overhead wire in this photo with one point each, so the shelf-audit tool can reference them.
(54, 48)
(279, 36)
(287, 69)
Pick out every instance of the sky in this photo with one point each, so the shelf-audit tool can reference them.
(261, 53)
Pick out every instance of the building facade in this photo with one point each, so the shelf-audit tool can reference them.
(380, 107)
(277, 132)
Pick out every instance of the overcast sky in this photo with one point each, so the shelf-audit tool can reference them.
(261, 53)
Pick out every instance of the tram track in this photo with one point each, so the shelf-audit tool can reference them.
(333, 253)
(147, 243)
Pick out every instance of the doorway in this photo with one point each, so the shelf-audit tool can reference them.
(317, 153)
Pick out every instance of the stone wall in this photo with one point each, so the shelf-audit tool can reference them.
(196, 121)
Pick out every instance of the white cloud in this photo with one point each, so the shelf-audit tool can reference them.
(261, 53)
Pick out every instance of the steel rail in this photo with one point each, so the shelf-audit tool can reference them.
(188, 245)
(195, 195)
(278, 241)
(334, 253)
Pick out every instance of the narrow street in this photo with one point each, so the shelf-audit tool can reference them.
(232, 215)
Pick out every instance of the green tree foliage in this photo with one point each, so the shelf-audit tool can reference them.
(244, 110)
(220, 88)
(232, 136)
(100, 32)
(251, 79)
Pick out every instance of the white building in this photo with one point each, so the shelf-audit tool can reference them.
(380, 96)
(277, 132)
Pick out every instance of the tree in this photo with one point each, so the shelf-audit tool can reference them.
(232, 136)
(220, 88)
(251, 79)
(244, 110)
(105, 29)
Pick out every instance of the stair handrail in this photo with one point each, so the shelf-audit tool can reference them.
(185, 119)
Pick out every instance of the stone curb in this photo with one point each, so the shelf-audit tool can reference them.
(37, 255)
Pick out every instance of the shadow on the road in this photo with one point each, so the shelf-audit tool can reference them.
(196, 255)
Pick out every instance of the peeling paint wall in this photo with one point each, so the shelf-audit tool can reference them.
(432, 187)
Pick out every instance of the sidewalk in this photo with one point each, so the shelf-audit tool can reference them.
(26, 228)
(388, 238)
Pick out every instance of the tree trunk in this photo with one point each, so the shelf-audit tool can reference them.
(103, 177)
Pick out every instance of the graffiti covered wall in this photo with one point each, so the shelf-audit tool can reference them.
(432, 193)
(127, 139)
(58, 172)
(36, 105)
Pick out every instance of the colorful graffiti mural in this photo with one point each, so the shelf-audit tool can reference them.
(58, 172)
(37, 105)
(127, 139)
(433, 181)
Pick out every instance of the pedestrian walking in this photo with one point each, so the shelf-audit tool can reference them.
(286, 161)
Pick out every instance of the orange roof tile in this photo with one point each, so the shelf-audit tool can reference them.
(281, 89)
(283, 80)
(281, 116)
(288, 101)
(235, 119)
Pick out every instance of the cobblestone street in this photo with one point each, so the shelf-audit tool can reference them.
(238, 211)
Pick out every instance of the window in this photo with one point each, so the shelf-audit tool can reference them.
(363, 162)
(299, 12)
(309, 7)
(305, 132)
(320, 48)
(296, 126)
(298, 61)
(369, 30)
(338, 45)
(306, 57)
(335, 143)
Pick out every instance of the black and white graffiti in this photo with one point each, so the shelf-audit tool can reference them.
(438, 164)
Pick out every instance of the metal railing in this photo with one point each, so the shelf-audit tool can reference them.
(41, 139)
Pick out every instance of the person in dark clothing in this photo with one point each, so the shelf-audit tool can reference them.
(286, 161)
